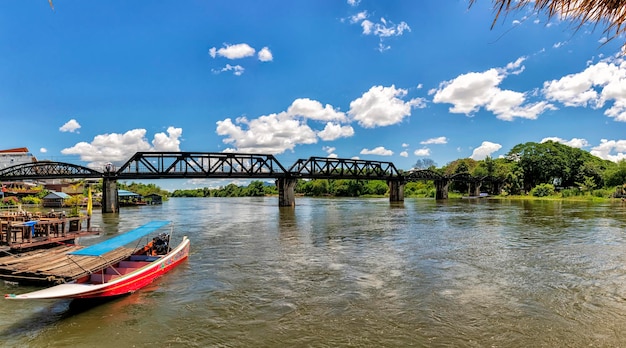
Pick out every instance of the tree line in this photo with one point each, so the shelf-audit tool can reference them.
(538, 169)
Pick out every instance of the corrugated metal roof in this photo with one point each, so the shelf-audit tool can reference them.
(55, 195)
(124, 193)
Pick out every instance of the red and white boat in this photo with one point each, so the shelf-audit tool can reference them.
(127, 276)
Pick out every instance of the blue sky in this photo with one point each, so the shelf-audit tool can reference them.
(91, 82)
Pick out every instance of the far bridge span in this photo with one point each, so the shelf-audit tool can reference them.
(220, 165)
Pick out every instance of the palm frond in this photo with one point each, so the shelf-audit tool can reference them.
(608, 13)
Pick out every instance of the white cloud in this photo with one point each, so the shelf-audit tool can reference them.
(118, 148)
(574, 142)
(314, 110)
(265, 55)
(70, 126)
(484, 150)
(358, 17)
(328, 149)
(276, 133)
(236, 69)
(381, 151)
(439, 140)
(405, 145)
(422, 152)
(404, 154)
(236, 51)
(43, 150)
(469, 92)
(334, 131)
(382, 106)
(594, 87)
(164, 142)
(354, 2)
(273, 133)
(612, 150)
(384, 29)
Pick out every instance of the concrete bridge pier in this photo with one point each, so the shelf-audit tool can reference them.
(110, 202)
(396, 191)
(441, 188)
(286, 192)
(474, 188)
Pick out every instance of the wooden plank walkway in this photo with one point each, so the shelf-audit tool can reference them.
(53, 265)
(20, 234)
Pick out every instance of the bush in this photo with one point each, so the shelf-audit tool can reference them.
(542, 190)
(570, 193)
(602, 193)
(12, 200)
(31, 200)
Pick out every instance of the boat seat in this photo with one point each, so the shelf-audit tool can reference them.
(118, 270)
(133, 264)
(99, 278)
(144, 258)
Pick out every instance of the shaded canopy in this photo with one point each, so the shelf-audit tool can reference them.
(609, 13)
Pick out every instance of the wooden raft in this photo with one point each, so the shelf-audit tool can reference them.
(54, 266)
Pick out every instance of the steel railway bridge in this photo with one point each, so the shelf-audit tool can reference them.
(185, 165)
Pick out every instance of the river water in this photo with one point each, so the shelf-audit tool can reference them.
(360, 273)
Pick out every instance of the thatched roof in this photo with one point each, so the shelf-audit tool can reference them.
(611, 14)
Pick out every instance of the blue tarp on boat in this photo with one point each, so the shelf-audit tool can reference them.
(121, 240)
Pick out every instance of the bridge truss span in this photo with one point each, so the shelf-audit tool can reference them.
(341, 168)
(153, 165)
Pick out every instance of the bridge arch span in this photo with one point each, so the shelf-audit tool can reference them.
(48, 170)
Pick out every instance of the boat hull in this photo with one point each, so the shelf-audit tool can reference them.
(121, 285)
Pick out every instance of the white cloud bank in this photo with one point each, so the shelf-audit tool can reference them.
(438, 141)
(283, 131)
(118, 148)
(382, 106)
(469, 92)
(594, 87)
(574, 142)
(612, 150)
(279, 132)
(484, 150)
(380, 151)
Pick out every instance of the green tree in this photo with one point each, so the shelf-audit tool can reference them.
(588, 184)
(255, 189)
(543, 190)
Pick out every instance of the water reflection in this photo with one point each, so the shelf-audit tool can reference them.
(362, 272)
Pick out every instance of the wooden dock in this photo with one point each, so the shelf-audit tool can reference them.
(54, 266)
(22, 232)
